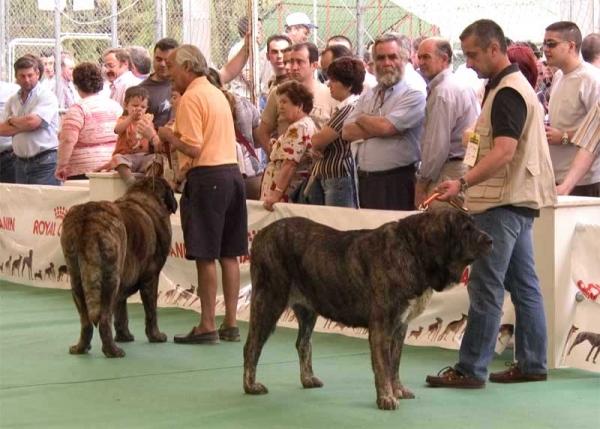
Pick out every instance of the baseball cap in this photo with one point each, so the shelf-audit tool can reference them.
(299, 18)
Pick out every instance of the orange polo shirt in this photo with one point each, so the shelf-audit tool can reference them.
(204, 119)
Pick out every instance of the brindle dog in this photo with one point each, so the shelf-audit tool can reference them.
(113, 250)
(378, 279)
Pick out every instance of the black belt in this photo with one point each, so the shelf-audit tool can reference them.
(362, 173)
(37, 157)
(6, 152)
(456, 158)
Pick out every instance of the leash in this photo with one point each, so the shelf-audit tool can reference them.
(457, 205)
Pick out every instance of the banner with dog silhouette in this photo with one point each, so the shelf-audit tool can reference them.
(582, 346)
(30, 227)
(30, 254)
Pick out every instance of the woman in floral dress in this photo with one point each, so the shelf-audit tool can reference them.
(290, 160)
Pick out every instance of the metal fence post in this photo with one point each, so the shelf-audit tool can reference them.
(57, 40)
(157, 20)
(3, 41)
(360, 30)
(113, 24)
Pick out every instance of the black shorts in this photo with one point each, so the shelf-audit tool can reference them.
(213, 213)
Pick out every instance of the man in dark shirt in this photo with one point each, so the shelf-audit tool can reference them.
(510, 180)
(158, 84)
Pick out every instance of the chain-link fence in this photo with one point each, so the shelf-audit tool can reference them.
(212, 24)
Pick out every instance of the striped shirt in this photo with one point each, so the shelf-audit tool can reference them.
(94, 119)
(337, 160)
(588, 133)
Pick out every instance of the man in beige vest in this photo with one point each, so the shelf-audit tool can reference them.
(510, 180)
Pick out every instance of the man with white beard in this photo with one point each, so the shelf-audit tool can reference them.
(389, 119)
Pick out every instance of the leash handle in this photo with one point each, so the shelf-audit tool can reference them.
(457, 205)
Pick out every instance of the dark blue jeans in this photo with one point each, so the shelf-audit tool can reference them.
(509, 267)
(7, 167)
(336, 192)
(37, 170)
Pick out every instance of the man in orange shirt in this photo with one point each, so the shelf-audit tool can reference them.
(213, 203)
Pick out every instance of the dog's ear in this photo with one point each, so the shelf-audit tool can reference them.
(170, 200)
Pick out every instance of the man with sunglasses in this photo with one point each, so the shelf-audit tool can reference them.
(575, 91)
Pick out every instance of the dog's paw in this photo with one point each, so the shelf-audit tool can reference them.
(159, 337)
(79, 350)
(124, 337)
(387, 403)
(255, 389)
(311, 382)
(403, 393)
(113, 353)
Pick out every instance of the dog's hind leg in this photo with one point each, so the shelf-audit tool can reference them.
(109, 301)
(148, 292)
(400, 391)
(306, 323)
(121, 322)
(578, 339)
(265, 310)
(87, 329)
(109, 347)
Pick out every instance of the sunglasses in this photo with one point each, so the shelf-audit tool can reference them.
(552, 43)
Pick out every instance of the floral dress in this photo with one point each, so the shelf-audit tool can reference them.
(295, 145)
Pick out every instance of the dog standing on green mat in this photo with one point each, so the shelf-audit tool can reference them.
(113, 250)
(378, 279)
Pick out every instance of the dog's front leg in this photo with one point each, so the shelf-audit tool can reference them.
(306, 323)
(148, 292)
(122, 333)
(400, 391)
(379, 339)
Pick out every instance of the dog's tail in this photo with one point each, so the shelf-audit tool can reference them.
(91, 279)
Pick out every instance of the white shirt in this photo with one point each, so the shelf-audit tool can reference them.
(572, 96)
(6, 91)
(450, 109)
(120, 85)
(414, 79)
(42, 102)
(238, 86)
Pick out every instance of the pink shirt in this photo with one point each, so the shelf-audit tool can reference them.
(94, 119)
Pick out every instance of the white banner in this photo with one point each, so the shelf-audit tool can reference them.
(582, 347)
(31, 220)
(30, 226)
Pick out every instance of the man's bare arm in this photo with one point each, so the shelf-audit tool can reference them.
(353, 132)
(378, 126)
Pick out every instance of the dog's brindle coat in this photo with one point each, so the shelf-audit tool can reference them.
(112, 250)
(377, 279)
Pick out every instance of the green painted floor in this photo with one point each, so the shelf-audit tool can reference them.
(178, 386)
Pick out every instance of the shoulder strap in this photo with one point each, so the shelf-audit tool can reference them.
(240, 138)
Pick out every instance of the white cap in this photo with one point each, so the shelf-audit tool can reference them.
(298, 18)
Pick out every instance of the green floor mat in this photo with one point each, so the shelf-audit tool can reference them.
(180, 386)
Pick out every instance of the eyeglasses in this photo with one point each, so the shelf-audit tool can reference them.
(110, 66)
(552, 43)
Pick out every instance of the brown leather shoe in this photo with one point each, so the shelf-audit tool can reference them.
(193, 338)
(514, 375)
(449, 377)
(229, 334)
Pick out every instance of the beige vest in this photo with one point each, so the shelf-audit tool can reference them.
(528, 180)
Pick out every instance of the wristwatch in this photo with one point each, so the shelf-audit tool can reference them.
(565, 138)
(463, 185)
